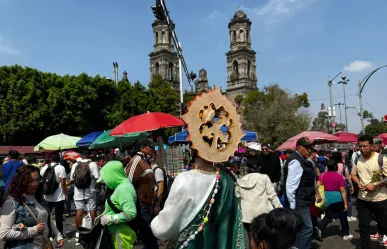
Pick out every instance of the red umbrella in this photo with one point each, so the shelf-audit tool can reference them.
(149, 121)
(313, 136)
(383, 137)
(346, 137)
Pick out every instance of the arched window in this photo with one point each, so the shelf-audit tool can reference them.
(241, 35)
(248, 69)
(170, 71)
(157, 68)
(234, 36)
(169, 37)
(236, 69)
(163, 37)
(247, 36)
(157, 38)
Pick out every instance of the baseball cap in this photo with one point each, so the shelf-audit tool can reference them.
(304, 141)
(145, 142)
(267, 145)
(377, 141)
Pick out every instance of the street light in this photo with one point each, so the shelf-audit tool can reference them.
(329, 84)
(339, 105)
(361, 85)
(344, 81)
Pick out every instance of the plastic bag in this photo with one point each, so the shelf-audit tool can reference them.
(96, 238)
(321, 204)
(87, 221)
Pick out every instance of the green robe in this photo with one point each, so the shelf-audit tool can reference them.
(224, 229)
(124, 198)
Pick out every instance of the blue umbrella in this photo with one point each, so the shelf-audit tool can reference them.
(89, 139)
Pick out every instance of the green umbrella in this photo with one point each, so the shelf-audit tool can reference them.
(58, 142)
(107, 141)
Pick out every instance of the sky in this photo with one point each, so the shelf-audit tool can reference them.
(299, 43)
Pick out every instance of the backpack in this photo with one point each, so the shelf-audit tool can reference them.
(380, 160)
(168, 180)
(49, 182)
(82, 175)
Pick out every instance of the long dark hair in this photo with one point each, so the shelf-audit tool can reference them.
(20, 182)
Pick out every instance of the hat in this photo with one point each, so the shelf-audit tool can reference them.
(267, 145)
(145, 142)
(377, 141)
(304, 141)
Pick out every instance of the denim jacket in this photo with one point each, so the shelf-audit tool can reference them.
(23, 215)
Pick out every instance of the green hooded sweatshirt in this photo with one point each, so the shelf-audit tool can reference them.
(123, 197)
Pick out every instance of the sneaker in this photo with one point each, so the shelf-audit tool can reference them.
(383, 242)
(348, 237)
(376, 236)
(351, 218)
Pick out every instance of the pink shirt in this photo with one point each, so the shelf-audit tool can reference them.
(332, 181)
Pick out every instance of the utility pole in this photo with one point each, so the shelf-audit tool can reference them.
(344, 81)
(340, 104)
(329, 84)
(361, 108)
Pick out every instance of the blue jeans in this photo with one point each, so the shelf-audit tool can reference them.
(348, 199)
(305, 235)
(146, 235)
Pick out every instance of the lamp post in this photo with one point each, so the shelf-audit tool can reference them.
(339, 105)
(344, 81)
(361, 85)
(329, 84)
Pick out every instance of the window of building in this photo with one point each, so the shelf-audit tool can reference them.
(241, 35)
(157, 38)
(234, 36)
(248, 69)
(236, 69)
(157, 68)
(170, 71)
(163, 37)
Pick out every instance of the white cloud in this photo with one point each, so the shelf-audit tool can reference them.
(277, 10)
(7, 48)
(356, 66)
(216, 14)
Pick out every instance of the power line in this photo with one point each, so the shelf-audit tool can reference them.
(348, 95)
(372, 107)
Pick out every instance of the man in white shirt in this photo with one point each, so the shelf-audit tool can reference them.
(57, 199)
(161, 187)
(85, 198)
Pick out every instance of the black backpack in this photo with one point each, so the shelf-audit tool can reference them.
(168, 180)
(82, 175)
(49, 182)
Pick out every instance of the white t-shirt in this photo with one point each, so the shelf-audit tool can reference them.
(60, 173)
(159, 174)
(88, 193)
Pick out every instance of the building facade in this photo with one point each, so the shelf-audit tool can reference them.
(164, 59)
(241, 59)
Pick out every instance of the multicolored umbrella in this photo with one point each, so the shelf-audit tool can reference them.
(58, 142)
(107, 141)
(149, 121)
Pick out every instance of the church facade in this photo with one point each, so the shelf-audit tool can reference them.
(241, 58)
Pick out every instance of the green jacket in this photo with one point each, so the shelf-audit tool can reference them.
(123, 197)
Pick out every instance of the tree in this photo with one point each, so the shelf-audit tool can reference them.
(375, 127)
(34, 104)
(341, 127)
(275, 114)
(367, 115)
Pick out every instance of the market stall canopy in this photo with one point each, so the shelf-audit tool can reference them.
(346, 137)
(87, 140)
(149, 121)
(58, 142)
(107, 141)
(313, 136)
(181, 137)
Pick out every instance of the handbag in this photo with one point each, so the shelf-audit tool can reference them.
(46, 242)
(321, 191)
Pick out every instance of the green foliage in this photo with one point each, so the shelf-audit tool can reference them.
(375, 127)
(239, 100)
(275, 114)
(367, 115)
(34, 105)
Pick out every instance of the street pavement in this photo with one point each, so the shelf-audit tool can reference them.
(331, 239)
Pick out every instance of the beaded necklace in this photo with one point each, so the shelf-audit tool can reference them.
(205, 219)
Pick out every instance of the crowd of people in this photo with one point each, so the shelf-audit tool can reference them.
(276, 203)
